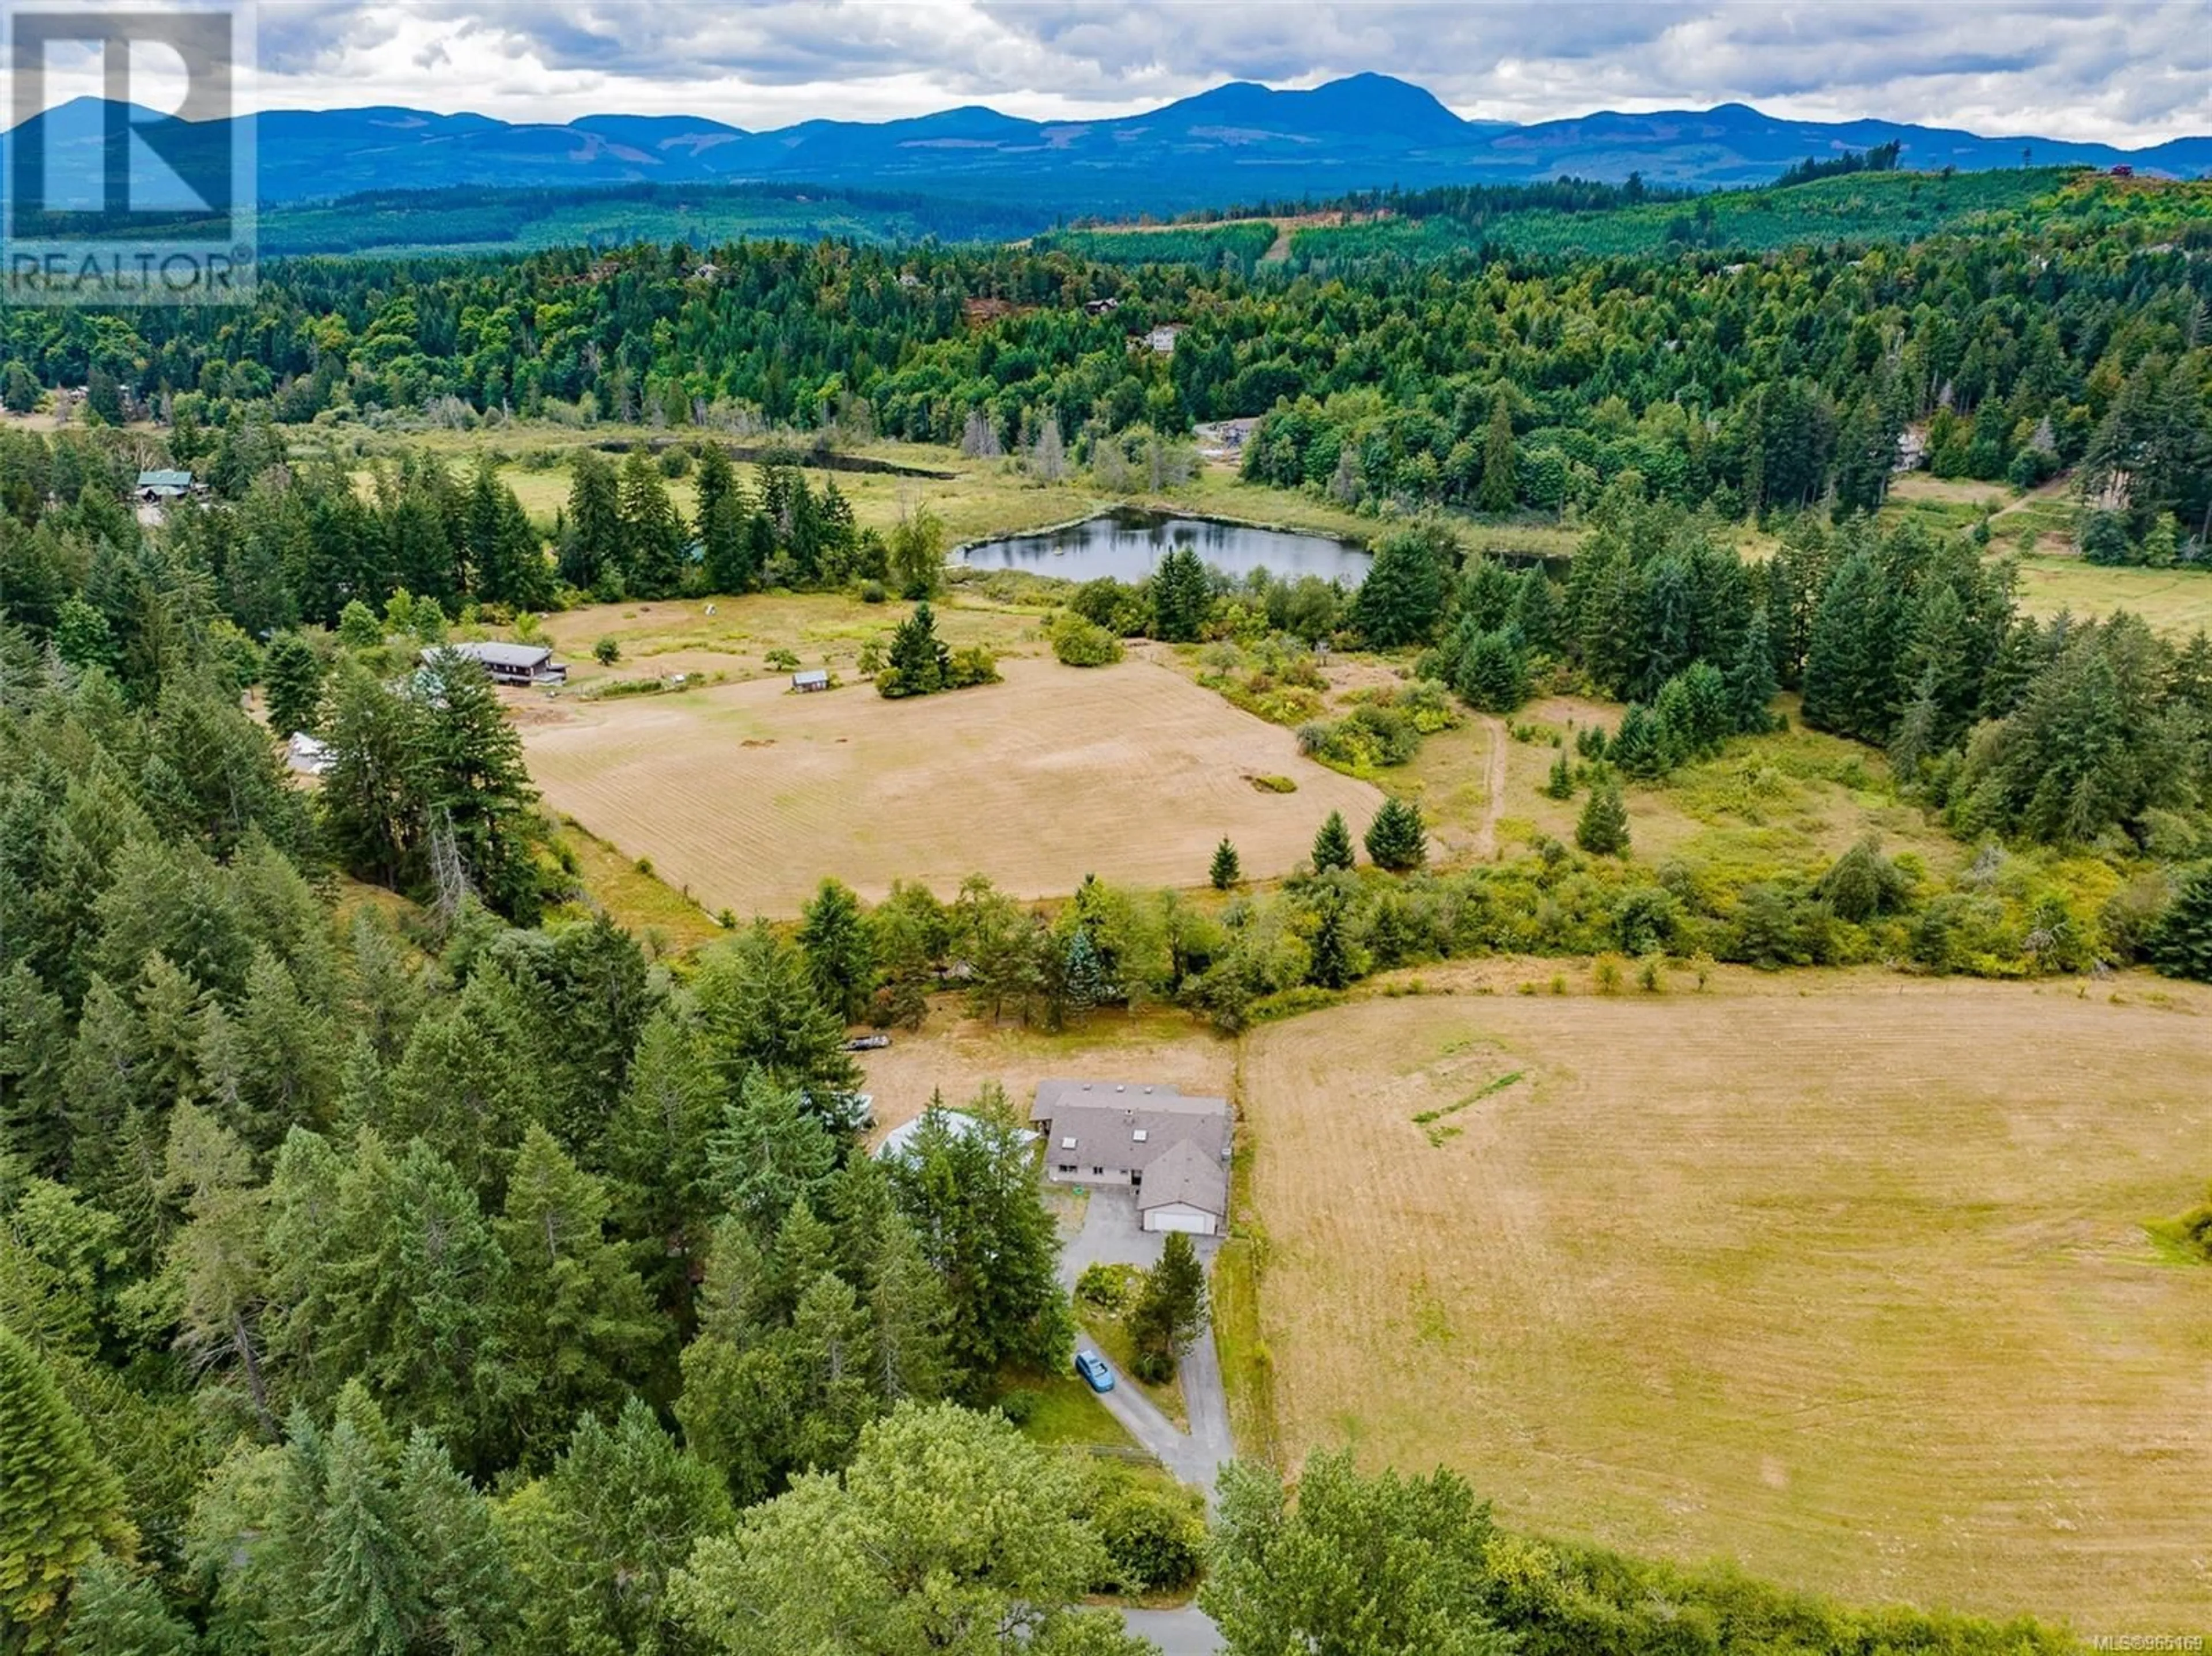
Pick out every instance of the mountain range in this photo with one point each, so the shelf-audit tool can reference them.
(1238, 142)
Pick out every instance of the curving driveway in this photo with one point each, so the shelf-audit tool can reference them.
(1112, 1235)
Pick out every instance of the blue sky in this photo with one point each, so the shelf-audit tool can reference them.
(2125, 73)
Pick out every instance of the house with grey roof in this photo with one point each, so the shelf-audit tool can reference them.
(1173, 1150)
(163, 484)
(508, 663)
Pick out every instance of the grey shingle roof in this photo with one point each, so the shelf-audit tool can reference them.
(521, 658)
(1184, 1172)
(1132, 1127)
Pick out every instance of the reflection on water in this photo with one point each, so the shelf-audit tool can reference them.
(1127, 545)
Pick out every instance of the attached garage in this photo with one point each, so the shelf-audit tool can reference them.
(1179, 1215)
(1184, 1189)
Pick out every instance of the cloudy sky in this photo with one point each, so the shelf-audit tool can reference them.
(2121, 73)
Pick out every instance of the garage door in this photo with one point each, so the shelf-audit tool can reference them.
(1189, 1219)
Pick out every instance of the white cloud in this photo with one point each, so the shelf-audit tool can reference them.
(2127, 74)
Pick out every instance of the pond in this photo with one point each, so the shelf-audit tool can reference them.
(1128, 544)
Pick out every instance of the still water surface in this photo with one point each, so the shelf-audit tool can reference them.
(1127, 545)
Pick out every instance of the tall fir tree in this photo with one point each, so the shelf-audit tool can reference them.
(292, 681)
(1501, 484)
(59, 1503)
(1182, 595)
(725, 548)
(1332, 846)
(835, 935)
(578, 1324)
(1751, 682)
(467, 757)
(1226, 870)
(1401, 596)
(1849, 686)
(652, 537)
(591, 542)
(1398, 840)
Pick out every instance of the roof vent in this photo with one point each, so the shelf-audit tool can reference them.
(1068, 1143)
(1138, 1135)
(1120, 1089)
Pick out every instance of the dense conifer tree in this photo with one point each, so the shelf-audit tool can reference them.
(1332, 846)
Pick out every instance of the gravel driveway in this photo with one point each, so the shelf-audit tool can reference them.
(1112, 1235)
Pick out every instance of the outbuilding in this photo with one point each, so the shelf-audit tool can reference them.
(813, 678)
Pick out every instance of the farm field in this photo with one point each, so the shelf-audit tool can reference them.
(2177, 602)
(1881, 1320)
(746, 796)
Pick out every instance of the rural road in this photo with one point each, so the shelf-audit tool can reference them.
(1493, 786)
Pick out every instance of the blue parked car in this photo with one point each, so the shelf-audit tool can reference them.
(1095, 1373)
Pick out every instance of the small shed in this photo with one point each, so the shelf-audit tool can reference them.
(304, 754)
(813, 678)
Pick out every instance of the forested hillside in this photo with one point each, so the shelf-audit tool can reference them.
(1753, 386)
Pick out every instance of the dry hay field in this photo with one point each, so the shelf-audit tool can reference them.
(747, 795)
(1842, 1277)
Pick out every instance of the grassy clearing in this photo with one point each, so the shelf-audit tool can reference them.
(1068, 1414)
(2174, 601)
(745, 796)
(1789, 802)
(2036, 530)
(634, 898)
(1881, 1319)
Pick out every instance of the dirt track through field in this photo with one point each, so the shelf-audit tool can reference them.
(748, 795)
(1850, 1286)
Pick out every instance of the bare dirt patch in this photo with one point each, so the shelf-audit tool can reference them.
(1842, 1277)
(1130, 771)
(955, 1054)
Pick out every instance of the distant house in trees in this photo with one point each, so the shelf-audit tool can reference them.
(1173, 1150)
(813, 678)
(509, 663)
(1223, 440)
(153, 487)
(1161, 340)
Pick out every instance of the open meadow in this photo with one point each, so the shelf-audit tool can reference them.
(746, 796)
(1839, 1276)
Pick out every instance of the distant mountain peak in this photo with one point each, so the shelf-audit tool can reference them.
(1233, 143)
